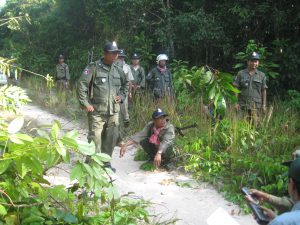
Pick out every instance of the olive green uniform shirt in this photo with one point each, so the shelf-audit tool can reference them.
(166, 135)
(282, 204)
(62, 72)
(251, 87)
(99, 84)
(138, 75)
(160, 83)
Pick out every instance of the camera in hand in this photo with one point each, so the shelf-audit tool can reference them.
(261, 218)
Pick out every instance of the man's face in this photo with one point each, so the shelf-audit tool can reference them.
(61, 60)
(162, 63)
(160, 122)
(135, 62)
(121, 58)
(110, 57)
(253, 64)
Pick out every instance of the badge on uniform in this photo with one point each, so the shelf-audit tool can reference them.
(86, 71)
(103, 80)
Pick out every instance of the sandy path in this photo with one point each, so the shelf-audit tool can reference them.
(192, 205)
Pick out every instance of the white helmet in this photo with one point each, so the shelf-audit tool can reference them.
(161, 57)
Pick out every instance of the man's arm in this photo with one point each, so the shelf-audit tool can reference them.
(67, 73)
(123, 92)
(83, 86)
(264, 99)
(135, 139)
(264, 93)
(168, 139)
(143, 80)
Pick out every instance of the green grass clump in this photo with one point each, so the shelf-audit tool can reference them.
(141, 155)
(147, 166)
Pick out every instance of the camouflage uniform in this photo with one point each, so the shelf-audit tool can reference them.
(62, 75)
(98, 85)
(166, 137)
(160, 83)
(251, 87)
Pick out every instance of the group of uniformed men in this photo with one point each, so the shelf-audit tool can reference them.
(107, 85)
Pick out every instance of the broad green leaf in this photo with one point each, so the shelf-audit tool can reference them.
(36, 165)
(11, 219)
(13, 138)
(76, 172)
(69, 141)
(112, 193)
(69, 218)
(43, 134)
(24, 137)
(61, 148)
(72, 134)
(86, 148)
(33, 219)
(23, 166)
(212, 92)
(103, 157)
(239, 65)
(15, 125)
(55, 130)
(3, 210)
(231, 88)
(88, 169)
(4, 164)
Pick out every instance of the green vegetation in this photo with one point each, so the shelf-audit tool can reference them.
(218, 35)
(28, 198)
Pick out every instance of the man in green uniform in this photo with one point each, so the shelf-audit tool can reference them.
(126, 68)
(156, 139)
(62, 75)
(138, 73)
(252, 83)
(282, 204)
(102, 87)
(160, 78)
(292, 217)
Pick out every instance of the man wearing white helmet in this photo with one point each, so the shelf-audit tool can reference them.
(159, 78)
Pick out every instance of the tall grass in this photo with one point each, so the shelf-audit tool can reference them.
(230, 153)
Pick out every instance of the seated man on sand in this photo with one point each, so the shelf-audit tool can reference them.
(156, 139)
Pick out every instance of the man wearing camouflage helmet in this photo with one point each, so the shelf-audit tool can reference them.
(251, 82)
(102, 87)
(160, 78)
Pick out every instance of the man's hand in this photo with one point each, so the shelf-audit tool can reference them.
(118, 99)
(261, 196)
(264, 108)
(271, 214)
(237, 107)
(90, 108)
(122, 150)
(129, 96)
(157, 160)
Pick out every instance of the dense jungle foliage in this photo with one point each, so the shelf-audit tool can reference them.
(200, 32)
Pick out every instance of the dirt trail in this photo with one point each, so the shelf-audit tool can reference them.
(192, 205)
